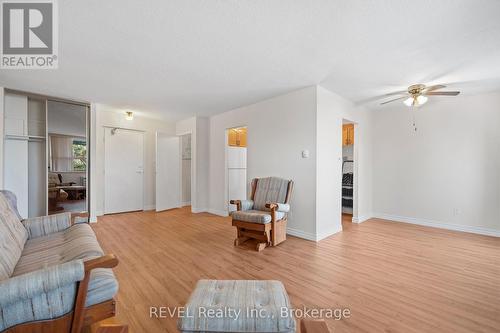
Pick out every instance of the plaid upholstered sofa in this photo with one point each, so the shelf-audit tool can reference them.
(54, 276)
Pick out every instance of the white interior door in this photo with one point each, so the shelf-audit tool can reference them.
(123, 170)
(168, 172)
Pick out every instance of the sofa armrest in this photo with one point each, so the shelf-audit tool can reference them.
(242, 204)
(32, 284)
(77, 216)
(106, 261)
(46, 225)
(278, 207)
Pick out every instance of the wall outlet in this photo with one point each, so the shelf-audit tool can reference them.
(305, 153)
(456, 212)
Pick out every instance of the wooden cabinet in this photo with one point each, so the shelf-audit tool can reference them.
(347, 134)
(237, 137)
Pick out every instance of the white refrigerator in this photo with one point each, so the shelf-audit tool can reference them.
(236, 174)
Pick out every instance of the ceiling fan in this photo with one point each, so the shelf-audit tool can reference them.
(416, 94)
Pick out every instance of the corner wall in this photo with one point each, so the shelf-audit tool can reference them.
(278, 130)
(447, 173)
(331, 110)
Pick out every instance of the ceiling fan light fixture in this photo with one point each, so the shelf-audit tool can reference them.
(416, 100)
(408, 101)
(421, 99)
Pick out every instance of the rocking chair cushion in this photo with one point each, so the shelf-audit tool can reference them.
(256, 216)
(271, 189)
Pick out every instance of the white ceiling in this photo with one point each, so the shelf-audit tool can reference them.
(185, 57)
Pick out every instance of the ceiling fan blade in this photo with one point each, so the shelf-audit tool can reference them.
(402, 92)
(431, 88)
(393, 100)
(442, 93)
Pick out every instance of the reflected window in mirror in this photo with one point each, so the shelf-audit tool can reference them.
(67, 154)
(79, 147)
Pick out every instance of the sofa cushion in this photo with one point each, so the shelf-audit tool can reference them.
(29, 294)
(43, 294)
(76, 242)
(245, 305)
(13, 236)
(46, 225)
(270, 190)
(255, 216)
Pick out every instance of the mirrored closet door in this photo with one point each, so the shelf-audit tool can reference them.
(67, 157)
(46, 153)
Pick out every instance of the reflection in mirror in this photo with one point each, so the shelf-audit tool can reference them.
(67, 162)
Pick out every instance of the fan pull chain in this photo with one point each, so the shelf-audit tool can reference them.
(414, 121)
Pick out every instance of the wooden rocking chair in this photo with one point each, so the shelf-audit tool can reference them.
(264, 216)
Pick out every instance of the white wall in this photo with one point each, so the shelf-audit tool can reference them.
(278, 130)
(202, 161)
(447, 173)
(331, 110)
(107, 116)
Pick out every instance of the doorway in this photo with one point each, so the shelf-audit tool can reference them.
(123, 170)
(348, 175)
(186, 170)
(236, 165)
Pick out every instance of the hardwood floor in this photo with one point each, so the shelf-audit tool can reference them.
(393, 277)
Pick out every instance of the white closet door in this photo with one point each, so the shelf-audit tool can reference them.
(37, 182)
(168, 172)
(16, 172)
(123, 170)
